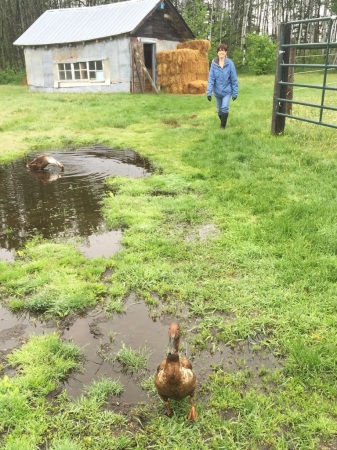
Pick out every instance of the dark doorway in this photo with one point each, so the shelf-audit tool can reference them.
(150, 63)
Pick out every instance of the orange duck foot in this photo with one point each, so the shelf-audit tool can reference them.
(192, 414)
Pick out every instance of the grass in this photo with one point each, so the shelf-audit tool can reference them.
(104, 387)
(265, 270)
(41, 364)
(132, 360)
(52, 279)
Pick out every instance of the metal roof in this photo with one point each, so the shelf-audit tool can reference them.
(67, 25)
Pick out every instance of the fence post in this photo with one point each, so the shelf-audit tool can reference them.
(281, 74)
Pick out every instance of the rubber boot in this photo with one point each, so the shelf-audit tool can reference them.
(224, 117)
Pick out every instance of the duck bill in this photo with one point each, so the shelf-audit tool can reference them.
(172, 345)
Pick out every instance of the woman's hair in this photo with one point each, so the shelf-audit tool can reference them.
(222, 47)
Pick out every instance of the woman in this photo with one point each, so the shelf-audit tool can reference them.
(223, 81)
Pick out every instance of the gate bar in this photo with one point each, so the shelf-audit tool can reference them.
(320, 66)
(314, 86)
(311, 45)
(314, 105)
(316, 122)
(318, 19)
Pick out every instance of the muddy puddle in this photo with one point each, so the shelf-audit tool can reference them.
(101, 338)
(53, 204)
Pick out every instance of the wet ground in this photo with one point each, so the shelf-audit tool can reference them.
(101, 338)
(52, 203)
(68, 203)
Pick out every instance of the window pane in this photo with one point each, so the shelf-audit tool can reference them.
(76, 66)
(69, 75)
(67, 66)
(84, 74)
(92, 75)
(92, 65)
(99, 65)
(77, 75)
(100, 75)
(62, 76)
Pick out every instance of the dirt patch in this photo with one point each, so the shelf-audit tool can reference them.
(203, 233)
(173, 123)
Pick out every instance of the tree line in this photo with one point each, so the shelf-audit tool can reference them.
(233, 21)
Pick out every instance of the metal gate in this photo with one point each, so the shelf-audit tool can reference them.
(289, 64)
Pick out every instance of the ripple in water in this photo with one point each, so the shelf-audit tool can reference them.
(53, 203)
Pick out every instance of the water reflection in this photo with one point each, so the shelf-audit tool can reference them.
(46, 176)
(53, 203)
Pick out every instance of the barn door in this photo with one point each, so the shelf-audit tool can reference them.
(137, 64)
(143, 56)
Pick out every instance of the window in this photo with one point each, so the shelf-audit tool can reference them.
(84, 71)
(80, 71)
(65, 72)
(96, 70)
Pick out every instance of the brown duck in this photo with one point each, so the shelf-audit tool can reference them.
(42, 161)
(174, 378)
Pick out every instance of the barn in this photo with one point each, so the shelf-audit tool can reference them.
(106, 48)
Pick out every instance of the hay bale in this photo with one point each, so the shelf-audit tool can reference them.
(164, 55)
(181, 71)
(177, 56)
(197, 87)
(201, 45)
(175, 89)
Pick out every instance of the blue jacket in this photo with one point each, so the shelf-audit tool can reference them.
(222, 81)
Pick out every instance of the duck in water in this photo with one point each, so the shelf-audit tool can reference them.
(42, 161)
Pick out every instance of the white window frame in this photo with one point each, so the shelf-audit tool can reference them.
(80, 73)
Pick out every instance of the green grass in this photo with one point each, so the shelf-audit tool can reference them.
(133, 360)
(52, 279)
(104, 387)
(41, 364)
(266, 270)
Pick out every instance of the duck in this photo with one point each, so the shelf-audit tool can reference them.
(42, 161)
(174, 378)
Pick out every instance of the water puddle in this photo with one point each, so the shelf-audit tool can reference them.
(101, 338)
(55, 204)
(14, 329)
(103, 244)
